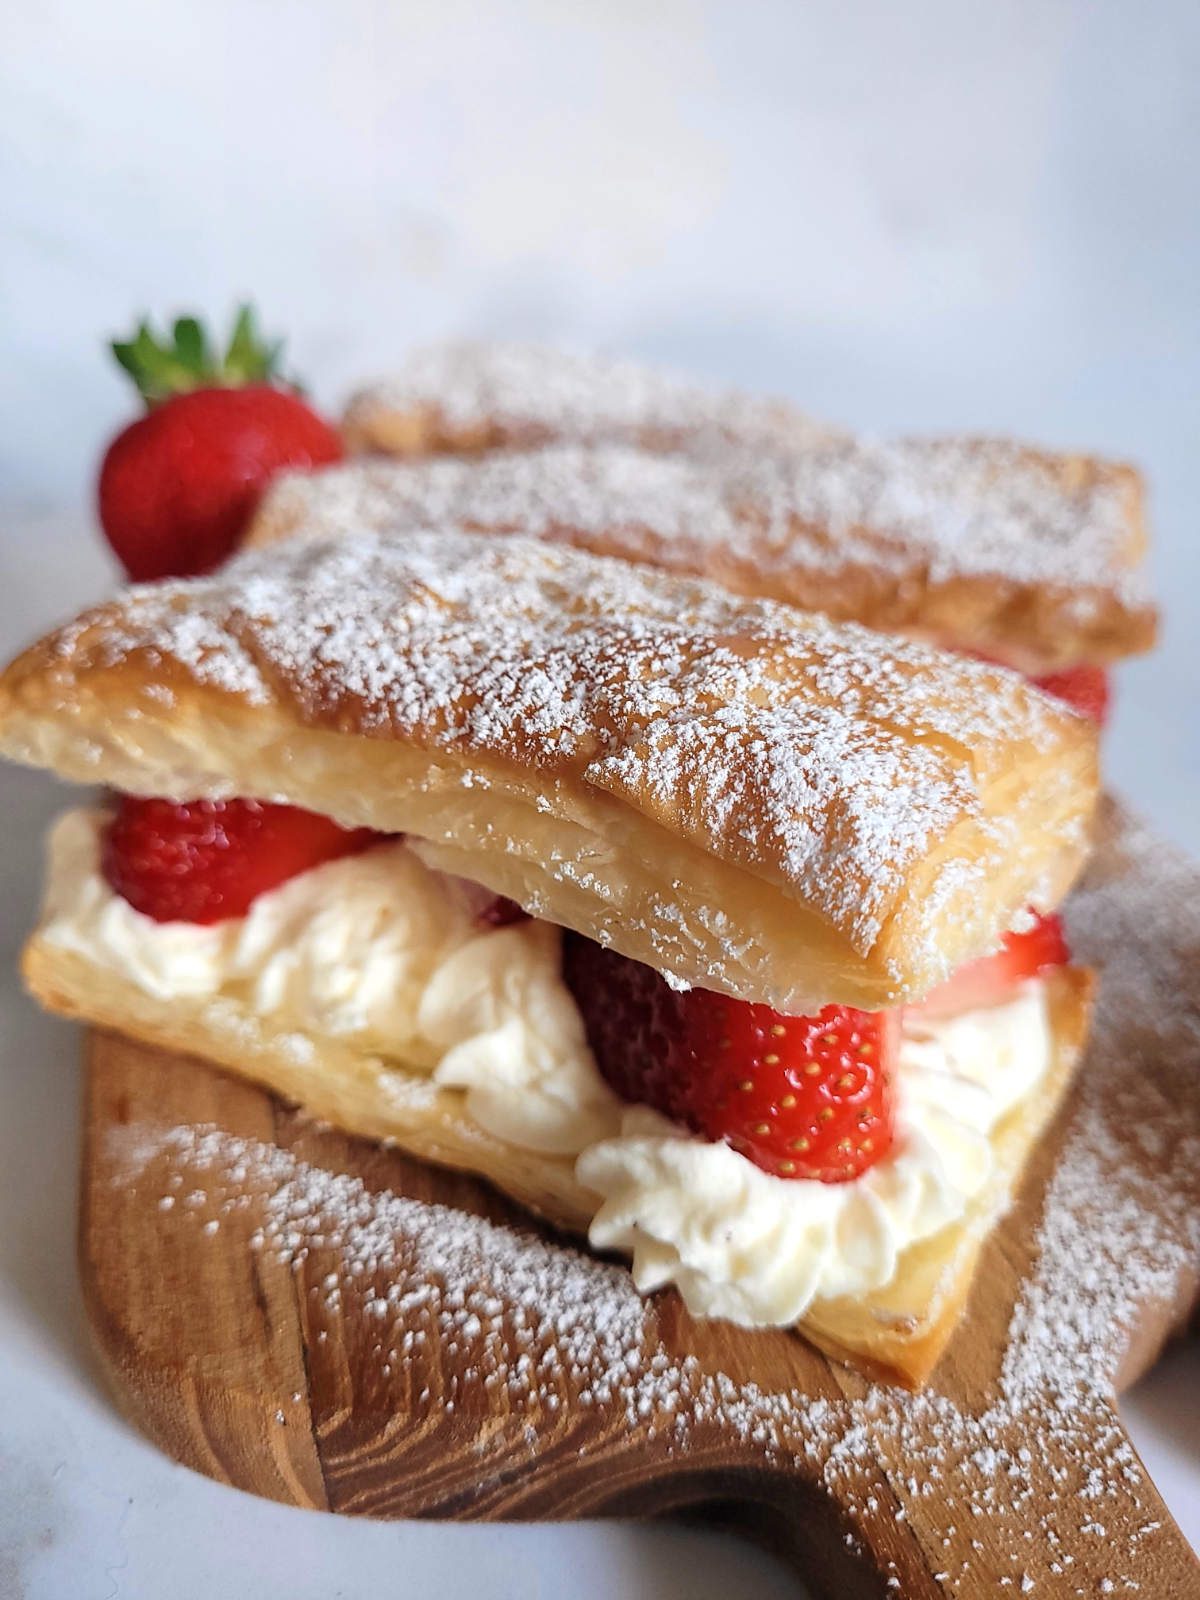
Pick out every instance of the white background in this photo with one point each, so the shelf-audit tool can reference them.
(936, 215)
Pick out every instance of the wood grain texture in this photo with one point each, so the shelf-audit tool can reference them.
(273, 1310)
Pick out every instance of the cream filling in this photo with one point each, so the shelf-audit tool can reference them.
(386, 955)
(377, 952)
(742, 1244)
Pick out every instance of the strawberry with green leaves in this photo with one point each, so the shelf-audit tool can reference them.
(179, 485)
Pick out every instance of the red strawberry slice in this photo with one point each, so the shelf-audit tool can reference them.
(1085, 688)
(992, 978)
(501, 912)
(801, 1097)
(635, 1024)
(210, 859)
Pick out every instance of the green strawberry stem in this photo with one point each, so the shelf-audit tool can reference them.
(162, 367)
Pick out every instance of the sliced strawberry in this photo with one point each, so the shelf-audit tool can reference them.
(992, 978)
(801, 1097)
(1086, 689)
(501, 912)
(210, 859)
(635, 1024)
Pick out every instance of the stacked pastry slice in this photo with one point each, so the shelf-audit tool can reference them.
(720, 931)
(466, 397)
(983, 545)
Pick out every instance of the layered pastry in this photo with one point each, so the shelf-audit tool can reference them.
(983, 545)
(716, 930)
(464, 397)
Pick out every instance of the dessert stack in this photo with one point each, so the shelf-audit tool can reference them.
(651, 800)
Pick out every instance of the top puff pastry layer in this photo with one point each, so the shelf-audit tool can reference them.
(988, 544)
(745, 796)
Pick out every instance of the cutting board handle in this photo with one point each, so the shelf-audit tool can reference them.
(901, 1541)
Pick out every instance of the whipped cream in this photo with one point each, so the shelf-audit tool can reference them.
(743, 1244)
(378, 952)
(385, 954)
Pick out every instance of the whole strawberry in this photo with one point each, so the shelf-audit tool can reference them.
(178, 487)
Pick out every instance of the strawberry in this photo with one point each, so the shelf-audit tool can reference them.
(801, 1097)
(178, 486)
(1085, 688)
(501, 912)
(992, 978)
(210, 859)
(635, 1024)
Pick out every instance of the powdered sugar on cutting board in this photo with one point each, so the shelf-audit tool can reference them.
(555, 1328)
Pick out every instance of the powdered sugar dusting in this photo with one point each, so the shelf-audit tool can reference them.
(942, 510)
(810, 496)
(1034, 1478)
(826, 756)
(608, 490)
(850, 526)
(524, 394)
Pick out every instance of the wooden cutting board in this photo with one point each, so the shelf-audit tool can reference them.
(327, 1323)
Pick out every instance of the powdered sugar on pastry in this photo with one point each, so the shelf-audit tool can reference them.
(822, 758)
(937, 511)
(571, 491)
(480, 393)
(891, 521)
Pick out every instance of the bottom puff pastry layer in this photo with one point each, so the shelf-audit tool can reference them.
(896, 1333)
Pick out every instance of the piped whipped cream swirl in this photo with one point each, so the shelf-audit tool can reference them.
(742, 1244)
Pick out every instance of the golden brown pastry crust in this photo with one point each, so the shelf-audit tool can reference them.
(991, 546)
(465, 397)
(896, 1334)
(911, 1320)
(747, 797)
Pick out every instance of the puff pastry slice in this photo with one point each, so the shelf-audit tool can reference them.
(741, 794)
(985, 544)
(896, 1333)
(471, 396)
(859, 536)
(744, 796)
